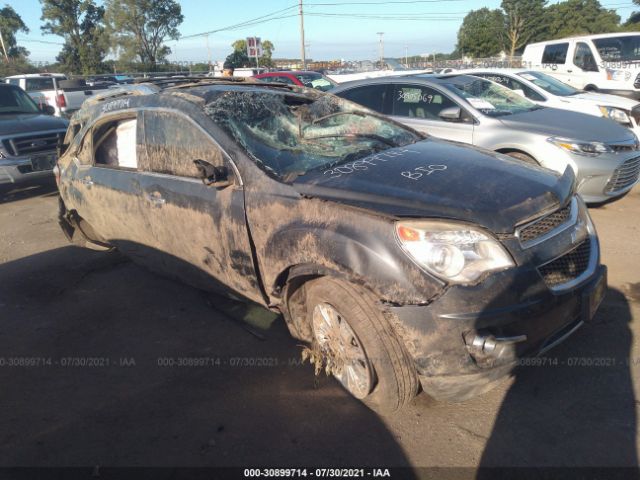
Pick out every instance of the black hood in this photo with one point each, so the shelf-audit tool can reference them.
(465, 184)
(17, 123)
(574, 125)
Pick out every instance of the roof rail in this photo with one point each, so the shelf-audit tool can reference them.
(166, 82)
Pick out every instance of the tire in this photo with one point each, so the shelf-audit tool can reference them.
(523, 157)
(392, 377)
(590, 88)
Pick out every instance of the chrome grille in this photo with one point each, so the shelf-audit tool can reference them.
(567, 267)
(32, 144)
(625, 176)
(545, 224)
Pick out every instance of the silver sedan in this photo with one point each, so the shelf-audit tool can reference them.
(604, 156)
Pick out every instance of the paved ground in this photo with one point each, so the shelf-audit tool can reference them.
(59, 303)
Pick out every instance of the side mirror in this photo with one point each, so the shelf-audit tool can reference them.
(212, 176)
(451, 114)
(47, 109)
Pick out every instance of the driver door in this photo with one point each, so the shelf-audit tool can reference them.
(200, 231)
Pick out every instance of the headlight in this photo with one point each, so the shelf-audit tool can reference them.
(453, 252)
(616, 114)
(591, 149)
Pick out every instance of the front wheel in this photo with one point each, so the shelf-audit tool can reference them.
(359, 344)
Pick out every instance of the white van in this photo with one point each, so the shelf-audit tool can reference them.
(608, 63)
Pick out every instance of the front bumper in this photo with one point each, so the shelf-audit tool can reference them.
(21, 169)
(443, 337)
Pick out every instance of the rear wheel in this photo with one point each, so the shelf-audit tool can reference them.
(358, 343)
(523, 157)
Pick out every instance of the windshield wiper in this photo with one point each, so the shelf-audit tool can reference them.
(371, 136)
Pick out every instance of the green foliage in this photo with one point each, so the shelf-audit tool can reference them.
(16, 66)
(481, 33)
(10, 24)
(139, 28)
(576, 17)
(524, 20)
(239, 56)
(80, 23)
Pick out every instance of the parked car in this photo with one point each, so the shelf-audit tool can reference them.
(548, 91)
(28, 136)
(468, 109)
(64, 95)
(299, 77)
(402, 260)
(606, 63)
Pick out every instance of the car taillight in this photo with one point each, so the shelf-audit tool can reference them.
(61, 102)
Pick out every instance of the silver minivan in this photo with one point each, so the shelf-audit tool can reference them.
(604, 156)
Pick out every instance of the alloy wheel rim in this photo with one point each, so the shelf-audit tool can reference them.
(338, 341)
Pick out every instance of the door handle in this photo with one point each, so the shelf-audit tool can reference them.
(569, 71)
(155, 199)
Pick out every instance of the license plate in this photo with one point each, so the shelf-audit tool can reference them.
(593, 298)
(43, 162)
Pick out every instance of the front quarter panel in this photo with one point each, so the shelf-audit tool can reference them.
(290, 230)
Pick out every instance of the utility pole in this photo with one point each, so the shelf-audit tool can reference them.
(381, 49)
(208, 52)
(4, 49)
(302, 47)
(406, 56)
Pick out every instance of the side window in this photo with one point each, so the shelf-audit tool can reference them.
(35, 84)
(555, 53)
(584, 59)
(372, 96)
(114, 144)
(416, 101)
(281, 79)
(14, 81)
(173, 142)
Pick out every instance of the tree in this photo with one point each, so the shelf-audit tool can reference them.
(140, 27)
(576, 17)
(239, 55)
(523, 21)
(481, 33)
(10, 24)
(634, 19)
(80, 23)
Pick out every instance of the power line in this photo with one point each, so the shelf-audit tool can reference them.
(254, 21)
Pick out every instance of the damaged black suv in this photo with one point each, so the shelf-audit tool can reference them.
(404, 261)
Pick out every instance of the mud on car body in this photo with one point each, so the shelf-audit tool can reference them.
(403, 260)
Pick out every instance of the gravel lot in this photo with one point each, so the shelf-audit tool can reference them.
(60, 304)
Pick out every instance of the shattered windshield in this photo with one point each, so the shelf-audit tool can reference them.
(289, 134)
(490, 98)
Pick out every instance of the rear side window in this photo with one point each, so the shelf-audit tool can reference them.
(172, 143)
(14, 81)
(35, 84)
(115, 144)
(372, 96)
(555, 53)
(279, 79)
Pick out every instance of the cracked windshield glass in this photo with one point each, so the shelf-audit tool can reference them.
(290, 134)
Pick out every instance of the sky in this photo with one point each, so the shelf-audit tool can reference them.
(334, 29)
